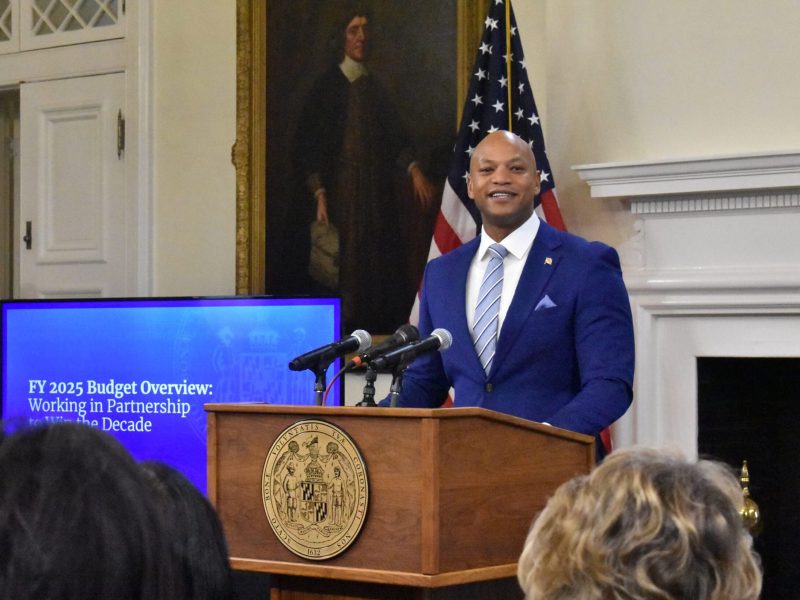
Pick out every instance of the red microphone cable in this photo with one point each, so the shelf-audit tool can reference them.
(330, 385)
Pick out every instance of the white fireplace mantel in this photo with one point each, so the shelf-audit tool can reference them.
(766, 171)
(712, 268)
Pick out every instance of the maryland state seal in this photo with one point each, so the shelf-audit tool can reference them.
(315, 489)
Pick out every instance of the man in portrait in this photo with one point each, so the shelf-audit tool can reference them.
(363, 181)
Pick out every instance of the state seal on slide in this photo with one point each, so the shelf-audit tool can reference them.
(315, 489)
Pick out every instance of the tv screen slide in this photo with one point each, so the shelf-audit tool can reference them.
(142, 369)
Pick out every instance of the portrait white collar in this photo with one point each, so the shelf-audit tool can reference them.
(352, 69)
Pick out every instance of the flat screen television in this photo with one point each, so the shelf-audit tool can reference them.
(142, 369)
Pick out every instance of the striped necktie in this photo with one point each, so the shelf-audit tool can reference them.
(484, 331)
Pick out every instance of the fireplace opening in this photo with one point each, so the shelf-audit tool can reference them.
(749, 409)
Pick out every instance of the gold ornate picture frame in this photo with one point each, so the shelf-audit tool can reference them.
(249, 154)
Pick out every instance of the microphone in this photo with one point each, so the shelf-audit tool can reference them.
(404, 334)
(357, 341)
(439, 339)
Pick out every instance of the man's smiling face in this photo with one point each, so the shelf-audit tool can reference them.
(503, 182)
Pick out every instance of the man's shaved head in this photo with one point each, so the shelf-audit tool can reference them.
(503, 181)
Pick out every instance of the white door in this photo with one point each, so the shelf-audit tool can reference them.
(72, 218)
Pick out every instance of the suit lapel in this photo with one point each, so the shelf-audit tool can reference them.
(455, 294)
(535, 275)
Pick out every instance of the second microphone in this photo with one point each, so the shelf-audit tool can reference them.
(439, 339)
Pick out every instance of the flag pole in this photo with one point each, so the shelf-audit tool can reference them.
(508, 60)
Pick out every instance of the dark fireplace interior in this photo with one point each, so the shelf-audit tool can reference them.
(749, 409)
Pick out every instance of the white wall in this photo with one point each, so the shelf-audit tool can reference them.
(194, 122)
(631, 80)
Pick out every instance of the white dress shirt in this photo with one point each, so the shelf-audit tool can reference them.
(518, 243)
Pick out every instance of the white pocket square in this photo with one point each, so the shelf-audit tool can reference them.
(545, 302)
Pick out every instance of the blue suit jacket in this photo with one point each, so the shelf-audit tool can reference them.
(565, 354)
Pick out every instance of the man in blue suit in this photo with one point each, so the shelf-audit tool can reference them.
(564, 351)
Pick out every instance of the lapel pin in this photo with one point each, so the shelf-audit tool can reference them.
(548, 261)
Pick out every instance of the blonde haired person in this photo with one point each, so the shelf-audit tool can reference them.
(644, 525)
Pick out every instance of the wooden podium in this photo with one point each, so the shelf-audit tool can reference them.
(452, 493)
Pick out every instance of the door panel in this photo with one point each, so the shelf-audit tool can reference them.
(72, 188)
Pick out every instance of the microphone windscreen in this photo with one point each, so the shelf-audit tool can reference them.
(408, 332)
(445, 337)
(364, 339)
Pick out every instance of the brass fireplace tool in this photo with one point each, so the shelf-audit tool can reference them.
(751, 515)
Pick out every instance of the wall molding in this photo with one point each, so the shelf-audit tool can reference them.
(714, 202)
(773, 170)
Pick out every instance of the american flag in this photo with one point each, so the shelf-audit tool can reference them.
(487, 109)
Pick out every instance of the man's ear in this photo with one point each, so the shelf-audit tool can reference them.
(469, 187)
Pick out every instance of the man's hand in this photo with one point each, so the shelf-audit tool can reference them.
(423, 188)
(322, 207)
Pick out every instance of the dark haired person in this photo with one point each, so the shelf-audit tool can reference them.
(195, 533)
(78, 521)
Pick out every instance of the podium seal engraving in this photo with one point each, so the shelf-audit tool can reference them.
(315, 490)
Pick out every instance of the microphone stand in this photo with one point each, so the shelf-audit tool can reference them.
(368, 398)
(397, 382)
(320, 382)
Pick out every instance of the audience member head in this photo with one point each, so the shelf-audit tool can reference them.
(644, 525)
(76, 519)
(197, 539)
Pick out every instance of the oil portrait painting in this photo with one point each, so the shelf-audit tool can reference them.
(361, 105)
